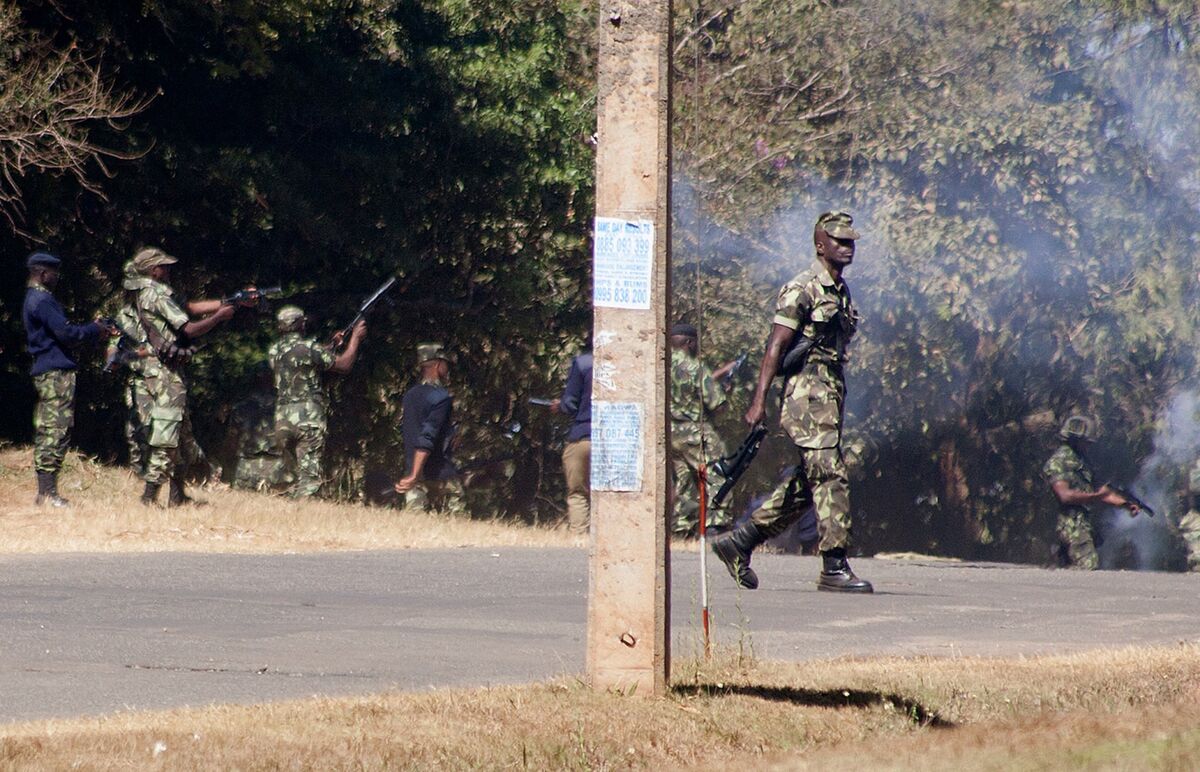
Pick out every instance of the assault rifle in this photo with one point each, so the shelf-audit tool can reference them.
(125, 350)
(343, 335)
(1131, 497)
(253, 298)
(735, 372)
(732, 467)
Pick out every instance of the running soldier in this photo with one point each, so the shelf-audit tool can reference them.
(301, 402)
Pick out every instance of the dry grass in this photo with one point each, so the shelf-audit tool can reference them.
(1134, 708)
(105, 516)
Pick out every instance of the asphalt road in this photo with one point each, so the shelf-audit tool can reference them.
(89, 634)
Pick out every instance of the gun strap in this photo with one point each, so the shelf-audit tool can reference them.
(170, 352)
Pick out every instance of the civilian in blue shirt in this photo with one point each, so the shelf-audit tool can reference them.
(51, 340)
(576, 402)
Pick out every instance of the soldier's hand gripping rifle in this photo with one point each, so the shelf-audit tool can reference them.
(734, 466)
(253, 298)
(123, 350)
(735, 371)
(1131, 497)
(342, 337)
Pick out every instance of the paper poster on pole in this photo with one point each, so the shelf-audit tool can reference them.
(617, 446)
(623, 263)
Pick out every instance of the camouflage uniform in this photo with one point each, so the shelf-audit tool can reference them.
(1189, 525)
(53, 418)
(1076, 544)
(695, 396)
(259, 462)
(138, 401)
(170, 433)
(819, 308)
(301, 405)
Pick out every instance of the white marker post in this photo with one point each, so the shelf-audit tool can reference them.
(628, 643)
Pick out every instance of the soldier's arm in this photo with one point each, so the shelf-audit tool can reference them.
(1072, 497)
(781, 336)
(345, 360)
(63, 331)
(202, 307)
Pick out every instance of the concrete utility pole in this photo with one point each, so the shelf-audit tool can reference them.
(629, 634)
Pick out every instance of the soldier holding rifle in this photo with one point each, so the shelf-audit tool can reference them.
(813, 313)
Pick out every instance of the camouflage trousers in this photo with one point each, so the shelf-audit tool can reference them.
(820, 482)
(1189, 531)
(170, 426)
(258, 473)
(687, 456)
(1076, 546)
(303, 448)
(53, 418)
(138, 403)
(441, 496)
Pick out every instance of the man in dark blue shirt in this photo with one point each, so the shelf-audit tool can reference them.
(576, 402)
(432, 482)
(50, 338)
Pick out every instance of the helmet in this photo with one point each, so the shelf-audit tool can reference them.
(1078, 427)
(289, 318)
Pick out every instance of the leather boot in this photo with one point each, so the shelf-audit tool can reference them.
(836, 575)
(176, 496)
(48, 490)
(150, 494)
(734, 548)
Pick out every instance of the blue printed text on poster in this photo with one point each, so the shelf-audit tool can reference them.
(617, 446)
(623, 263)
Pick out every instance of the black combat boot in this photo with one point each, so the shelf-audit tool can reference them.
(734, 548)
(176, 496)
(837, 576)
(48, 490)
(150, 495)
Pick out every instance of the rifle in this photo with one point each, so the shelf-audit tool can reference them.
(735, 372)
(1131, 497)
(124, 352)
(368, 305)
(253, 298)
(732, 467)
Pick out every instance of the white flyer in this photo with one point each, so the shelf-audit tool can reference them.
(617, 446)
(623, 262)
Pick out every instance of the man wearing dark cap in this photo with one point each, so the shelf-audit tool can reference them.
(695, 400)
(169, 329)
(813, 312)
(50, 338)
(432, 482)
(301, 402)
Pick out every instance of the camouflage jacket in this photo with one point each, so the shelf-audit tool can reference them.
(254, 420)
(299, 364)
(1067, 465)
(817, 307)
(156, 304)
(694, 392)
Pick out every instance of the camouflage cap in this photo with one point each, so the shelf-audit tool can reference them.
(1078, 427)
(430, 351)
(131, 279)
(838, 224)
(289, 316)
(149, 257)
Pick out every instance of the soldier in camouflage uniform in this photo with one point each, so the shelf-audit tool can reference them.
(128, 349)
(433, 483)
(50, 339)
(815, 306)
(301, 402)
(695, 399)
(169, 329)
(1070, 478)
(259, 465)
(1188, 526)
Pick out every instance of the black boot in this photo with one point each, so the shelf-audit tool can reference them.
(734, 548)
(150, 495)
(48, 490)
(176, 496)
(836, 575)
